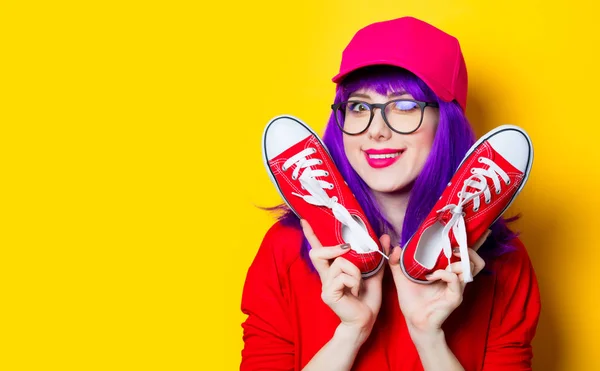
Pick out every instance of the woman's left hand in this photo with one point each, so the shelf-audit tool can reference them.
(426, 306)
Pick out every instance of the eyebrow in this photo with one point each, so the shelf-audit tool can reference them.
(366, 96)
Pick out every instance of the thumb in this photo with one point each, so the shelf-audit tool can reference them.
(372, 287)
(394, 263)
(385, 241)
(378, 277)
(395, 257)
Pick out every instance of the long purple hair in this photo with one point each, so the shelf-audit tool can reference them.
(453, 139)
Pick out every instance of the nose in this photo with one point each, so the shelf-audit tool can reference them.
(378, 130)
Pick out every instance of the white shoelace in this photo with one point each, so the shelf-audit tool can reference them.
(457, 222)
(318, 197)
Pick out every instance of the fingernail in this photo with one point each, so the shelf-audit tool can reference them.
(456, 250)
(345, 246)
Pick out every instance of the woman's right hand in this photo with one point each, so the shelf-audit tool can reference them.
(354, 300)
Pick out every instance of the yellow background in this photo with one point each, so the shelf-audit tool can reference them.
(130, 164)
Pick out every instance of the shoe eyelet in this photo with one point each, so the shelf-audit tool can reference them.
(314, 150)
(472, 171)
(463, 214)
(508, 182)
(498, 191)
(487, 202)
(320, 162)
(480, 159)
(294, 177)
(327, 173)
(284, 168)
(330, 186)
(449, 184)
(459, 194)
(475, 209)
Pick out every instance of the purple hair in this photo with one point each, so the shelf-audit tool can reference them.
(453, 138)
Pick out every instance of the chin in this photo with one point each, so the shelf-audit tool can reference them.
(394, 181)
(385, 187)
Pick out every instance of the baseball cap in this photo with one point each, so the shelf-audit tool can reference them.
(426, 51)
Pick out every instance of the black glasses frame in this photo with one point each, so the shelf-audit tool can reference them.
(381, 107)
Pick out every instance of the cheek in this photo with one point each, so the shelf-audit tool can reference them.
(428, 140)
(428, 135)
(351, 147)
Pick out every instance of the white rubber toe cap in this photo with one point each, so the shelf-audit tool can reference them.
(512, 143)
(281, 133)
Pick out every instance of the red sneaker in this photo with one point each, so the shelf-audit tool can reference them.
(301, 168)
(487, 181)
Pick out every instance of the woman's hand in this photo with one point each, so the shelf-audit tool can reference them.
(354, 300)
(426, 306)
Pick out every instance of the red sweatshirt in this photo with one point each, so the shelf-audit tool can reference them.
(288, 323)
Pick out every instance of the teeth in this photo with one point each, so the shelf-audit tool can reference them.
(387, 155)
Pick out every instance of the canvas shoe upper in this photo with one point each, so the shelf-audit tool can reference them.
(487, 181)
(307, 179)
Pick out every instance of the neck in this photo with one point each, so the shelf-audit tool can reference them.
(393, 206)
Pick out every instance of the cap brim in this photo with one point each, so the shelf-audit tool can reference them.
(433, 85)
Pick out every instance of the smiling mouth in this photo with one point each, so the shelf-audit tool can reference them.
(386, 155)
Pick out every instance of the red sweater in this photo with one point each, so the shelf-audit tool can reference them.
(288, 323)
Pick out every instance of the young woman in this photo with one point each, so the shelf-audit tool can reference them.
(309, 308)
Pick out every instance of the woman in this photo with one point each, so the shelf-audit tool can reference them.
(309, 308)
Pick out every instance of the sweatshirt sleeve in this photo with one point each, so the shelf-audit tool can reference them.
(267, 334)
(515, 313)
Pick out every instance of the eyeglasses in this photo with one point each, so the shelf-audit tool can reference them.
(404, 116)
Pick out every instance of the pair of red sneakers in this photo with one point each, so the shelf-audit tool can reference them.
(487, 181)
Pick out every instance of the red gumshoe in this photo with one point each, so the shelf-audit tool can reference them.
(307, 179)
(486, 183)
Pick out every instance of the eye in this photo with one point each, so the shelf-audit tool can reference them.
(357, 106)
(404, 105)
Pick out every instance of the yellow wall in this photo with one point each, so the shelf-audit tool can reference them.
(130, 146)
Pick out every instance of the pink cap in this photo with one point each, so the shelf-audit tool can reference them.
(428, 52)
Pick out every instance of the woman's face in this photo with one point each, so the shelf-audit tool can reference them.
(385, 160)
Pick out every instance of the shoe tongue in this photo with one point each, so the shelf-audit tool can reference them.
(473, 189)
(446, 216)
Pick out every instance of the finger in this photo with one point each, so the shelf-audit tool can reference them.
(477, 262)
(342, 266)
(481, 240)
(310, 234)
(319, 255)
(322, 256)
(450, 278)
(336, 289)
(458, 268)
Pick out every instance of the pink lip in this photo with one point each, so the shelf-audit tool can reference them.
(379, 163)
(383, 151)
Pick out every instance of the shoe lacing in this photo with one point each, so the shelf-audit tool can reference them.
(478, 182)
(318, 197)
